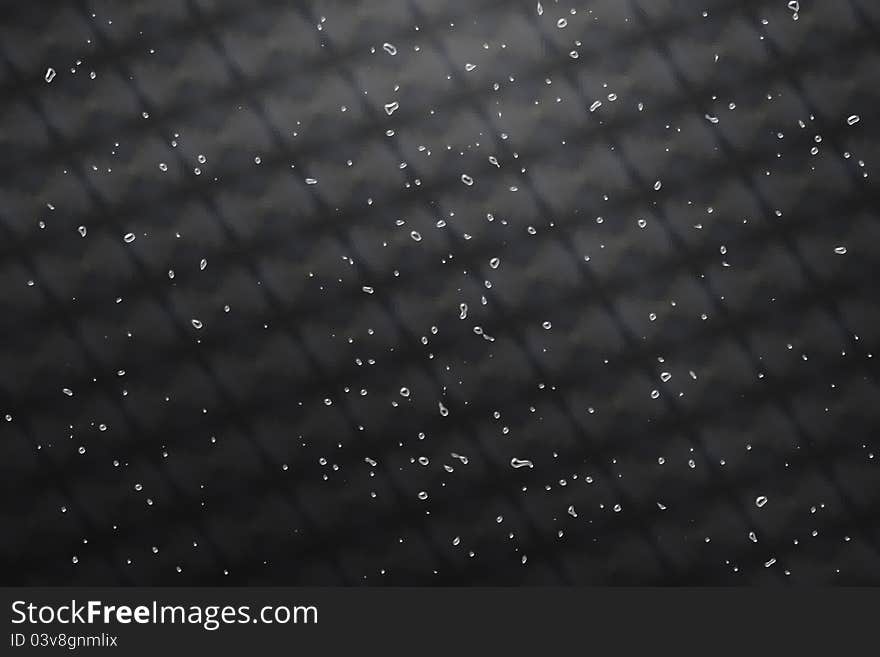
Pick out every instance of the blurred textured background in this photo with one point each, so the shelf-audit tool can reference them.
(414, 292)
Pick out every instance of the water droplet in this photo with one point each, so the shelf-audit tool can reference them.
(390, 108)
(129, 238)
(197, 324)
(404, 392)
(50, 74)
(852, 119)
(389, 48)
(521, 463)
(561, 23)
(760, 501)
(466, 179)
(840, 250)
(83, 230)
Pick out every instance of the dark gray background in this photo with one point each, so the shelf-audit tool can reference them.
(735, 263)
